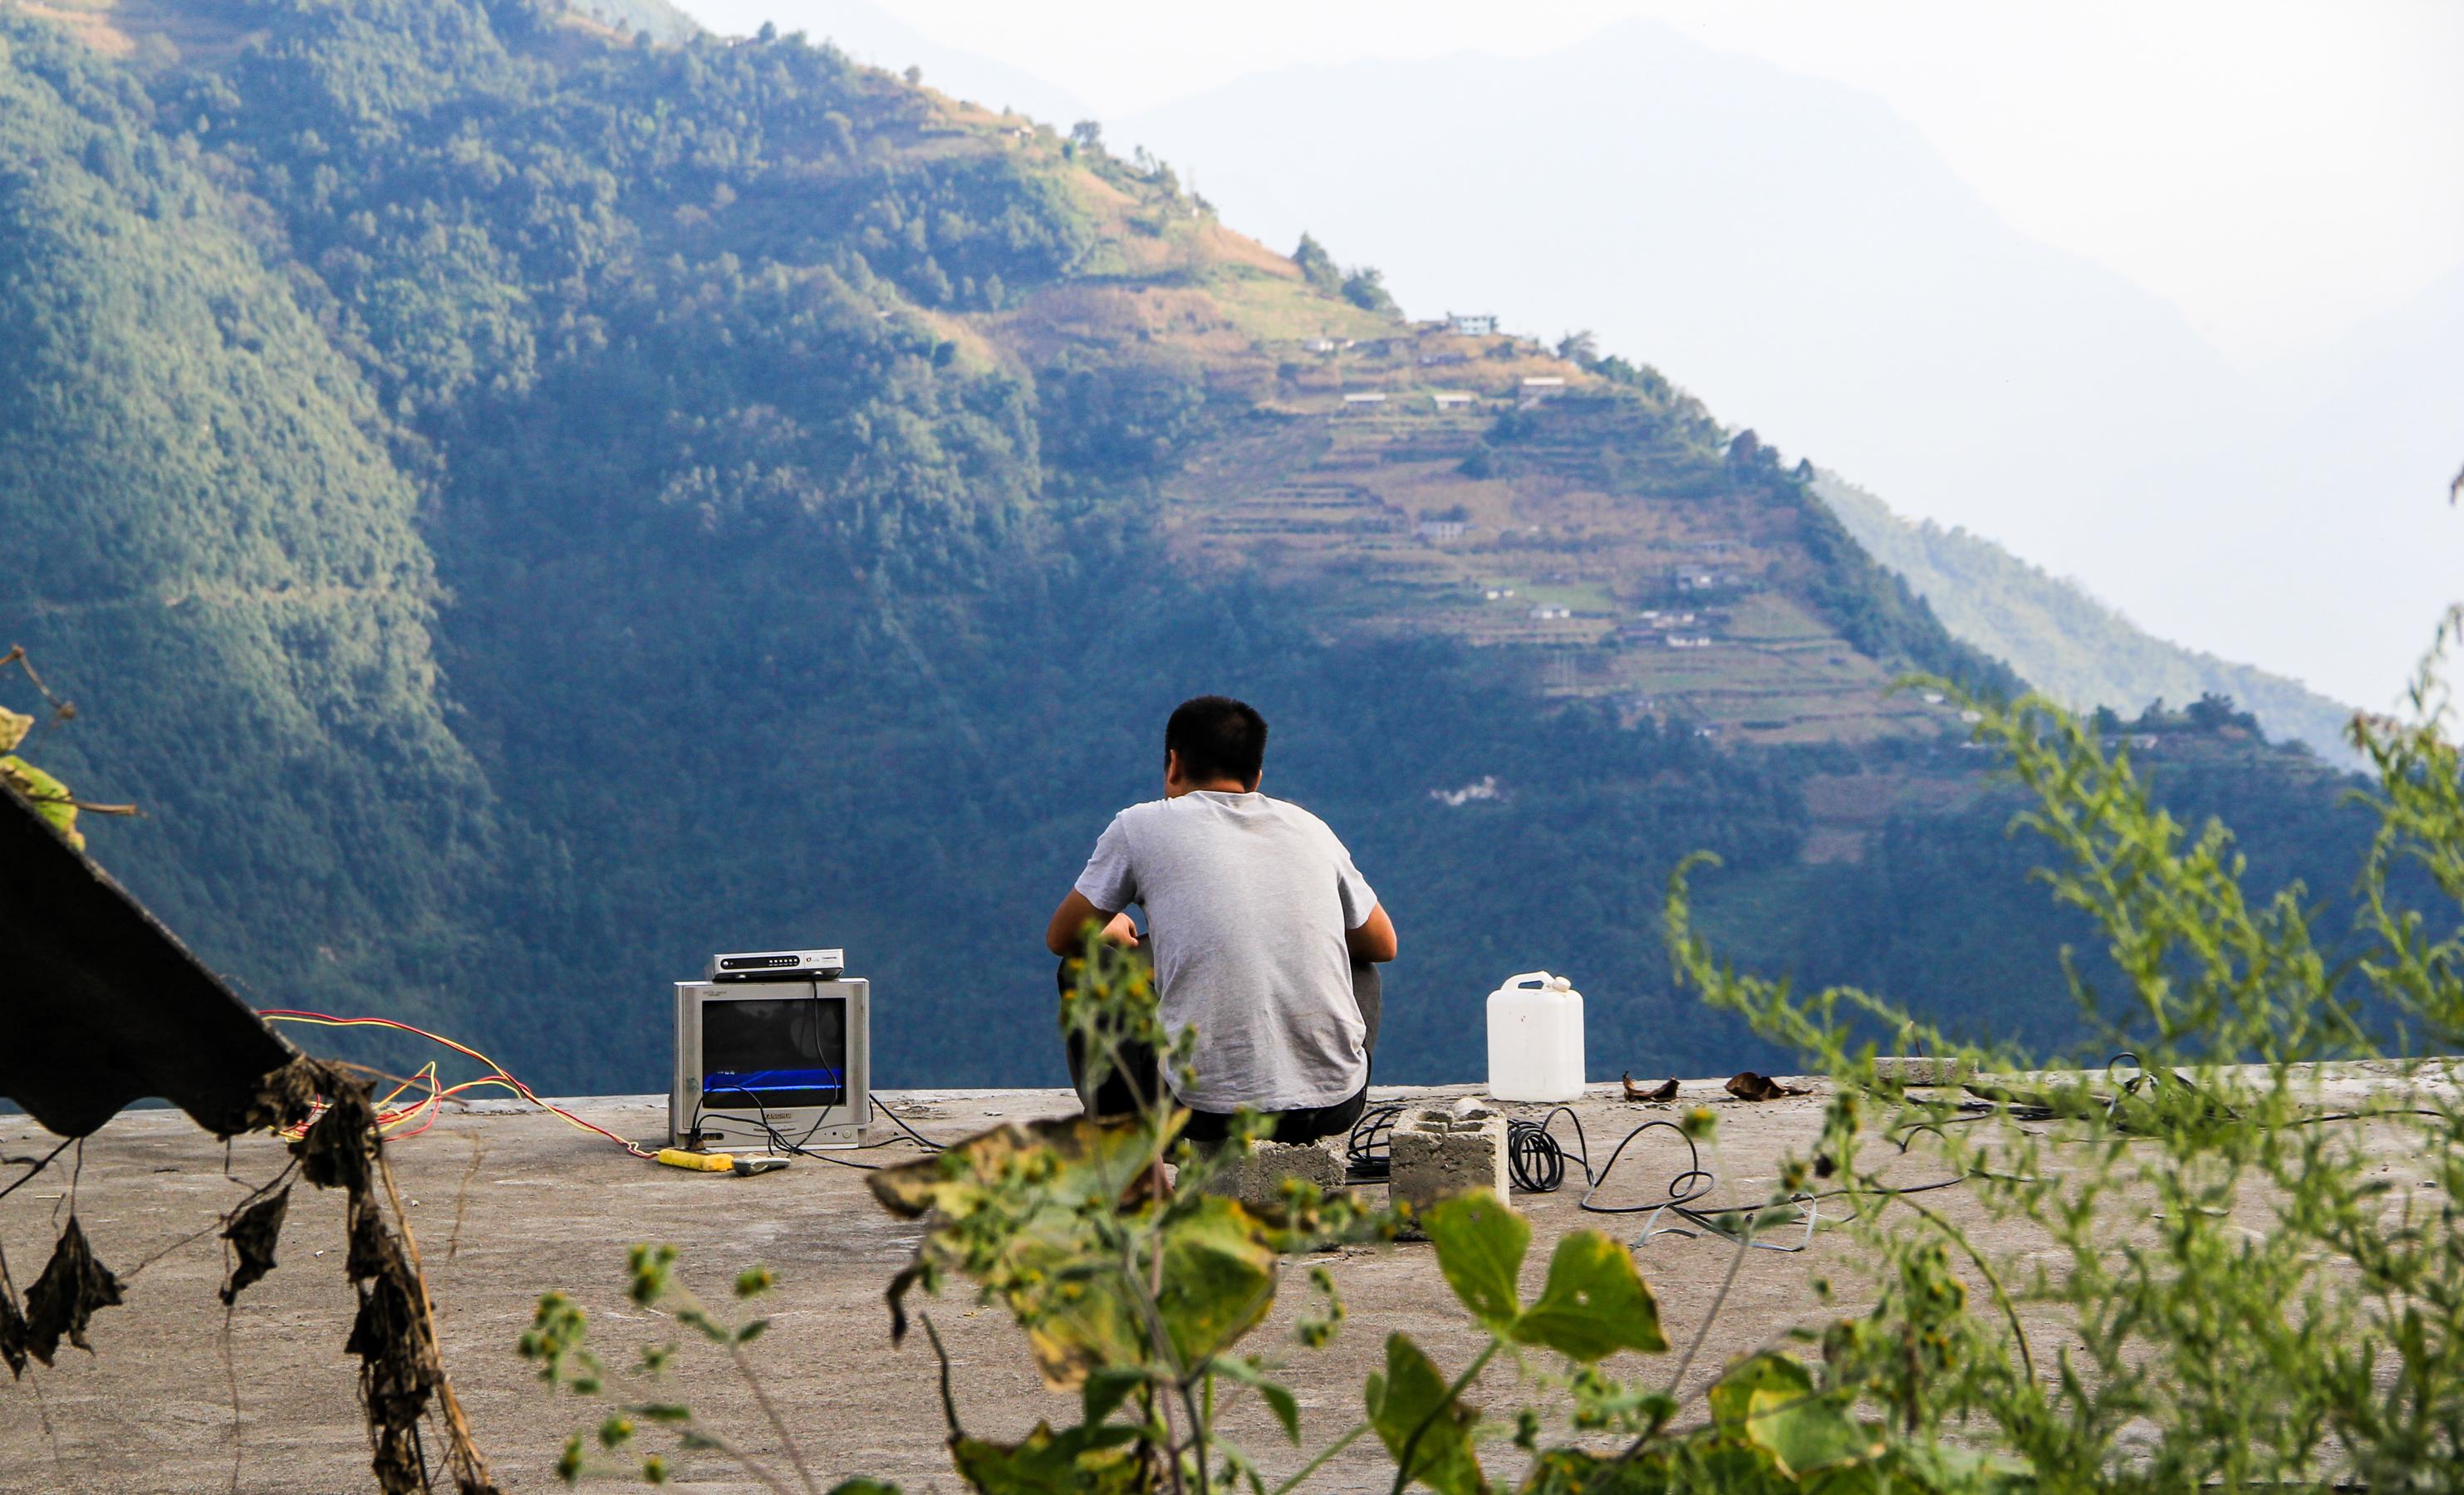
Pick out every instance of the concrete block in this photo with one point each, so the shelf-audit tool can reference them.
(1437, 1152)
(1257, 1181)
(1905, 1070)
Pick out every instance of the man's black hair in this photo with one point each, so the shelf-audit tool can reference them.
(1218, 738)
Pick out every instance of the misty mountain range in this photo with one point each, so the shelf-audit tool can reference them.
(1796, 254)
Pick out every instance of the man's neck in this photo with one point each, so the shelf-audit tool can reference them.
(1213, 786)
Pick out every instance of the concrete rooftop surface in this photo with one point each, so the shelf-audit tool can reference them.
(507, 1202)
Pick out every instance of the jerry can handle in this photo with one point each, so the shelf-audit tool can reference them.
(1541, 978)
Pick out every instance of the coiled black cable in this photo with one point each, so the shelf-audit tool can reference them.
(1535, 1160)
(1365, 1157)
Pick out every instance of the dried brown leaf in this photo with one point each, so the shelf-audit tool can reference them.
(1747, 1086)
(73, 1286)
(13, 1335)
(1666, 1090)
(254, 1233)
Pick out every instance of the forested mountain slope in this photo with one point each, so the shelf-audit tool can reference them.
(2067, 643)
(637, 500)
(209, 544)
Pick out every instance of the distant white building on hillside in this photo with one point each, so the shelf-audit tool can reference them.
(1319, 345)
(1471, 324)
(1362, 403)
(1442, 529)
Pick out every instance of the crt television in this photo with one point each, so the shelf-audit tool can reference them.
(771, 1065)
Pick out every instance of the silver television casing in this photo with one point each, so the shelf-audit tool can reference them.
(817, 1126)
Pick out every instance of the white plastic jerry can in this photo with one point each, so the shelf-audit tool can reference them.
(1535, 1039)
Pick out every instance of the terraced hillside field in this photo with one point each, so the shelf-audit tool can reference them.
(1477, 488)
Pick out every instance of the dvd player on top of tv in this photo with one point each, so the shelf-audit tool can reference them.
(780, 966)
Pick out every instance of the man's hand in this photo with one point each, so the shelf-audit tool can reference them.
(1374, 941)
(1070, 923)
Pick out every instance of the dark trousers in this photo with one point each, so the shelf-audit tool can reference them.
(1133, 1086)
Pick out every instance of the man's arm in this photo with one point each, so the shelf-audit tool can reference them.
(1070, 923)
(1374, 941)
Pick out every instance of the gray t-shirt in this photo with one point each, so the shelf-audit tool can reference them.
(1247, 900)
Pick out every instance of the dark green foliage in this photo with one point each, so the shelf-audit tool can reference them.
(213, 546)
(1365, 287)
(1945, 914)
(490, 201)
(1316, 265)
(1873, 609)
(1109, 421)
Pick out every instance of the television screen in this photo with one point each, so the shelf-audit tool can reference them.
(773, 1053)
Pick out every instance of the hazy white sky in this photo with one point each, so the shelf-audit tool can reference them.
(2278, 170)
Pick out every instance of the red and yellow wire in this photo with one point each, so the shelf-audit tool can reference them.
(396, 1118)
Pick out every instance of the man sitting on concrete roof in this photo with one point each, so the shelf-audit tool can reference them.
(1262, 934)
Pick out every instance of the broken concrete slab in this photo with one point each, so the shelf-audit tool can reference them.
(1258, 1179)
(1921, 1070)
(1438, 1151)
